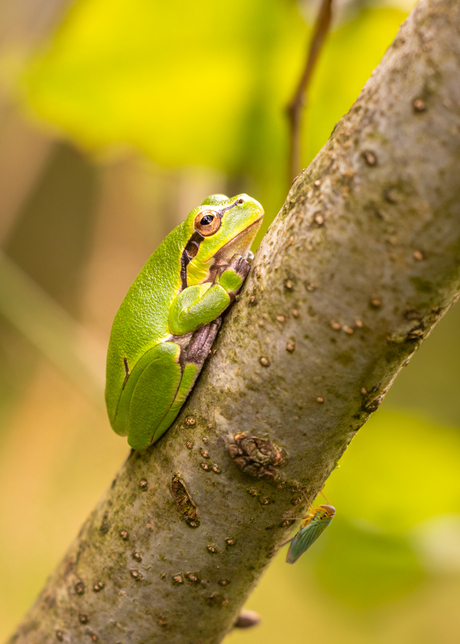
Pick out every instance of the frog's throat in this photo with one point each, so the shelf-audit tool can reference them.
(239, 245)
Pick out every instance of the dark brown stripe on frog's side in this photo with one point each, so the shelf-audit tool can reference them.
(126, 367)
(190, 251)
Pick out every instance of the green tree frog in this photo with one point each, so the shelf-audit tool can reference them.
(165, 326)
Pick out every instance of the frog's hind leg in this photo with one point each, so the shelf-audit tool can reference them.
(149, 392)
(192, 360)
(189, 375)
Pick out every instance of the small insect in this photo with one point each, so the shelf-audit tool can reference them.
(310, 529)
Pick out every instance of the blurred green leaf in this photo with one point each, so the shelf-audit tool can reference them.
(175, 80)
(363, 566)
(401, 470)
(206, 83)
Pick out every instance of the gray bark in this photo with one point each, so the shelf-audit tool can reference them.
(361, 262)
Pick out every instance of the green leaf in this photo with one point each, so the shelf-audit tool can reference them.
(400, 470)
(363, 566)
(204, 83)
(176, 80)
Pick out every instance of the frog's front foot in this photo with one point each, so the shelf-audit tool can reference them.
(240, 266)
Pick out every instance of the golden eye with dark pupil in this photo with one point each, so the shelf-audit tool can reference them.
(207, 223)
(207, 219)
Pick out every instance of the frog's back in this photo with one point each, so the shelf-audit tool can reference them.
(142, 319)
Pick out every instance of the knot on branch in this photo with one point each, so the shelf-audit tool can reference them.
(257, 457)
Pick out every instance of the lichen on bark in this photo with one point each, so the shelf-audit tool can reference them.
(361, 262)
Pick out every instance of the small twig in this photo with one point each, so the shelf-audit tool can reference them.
(297, 104)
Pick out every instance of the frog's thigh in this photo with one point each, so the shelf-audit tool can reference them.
(154, 392)
(189, 376)
(195, 355)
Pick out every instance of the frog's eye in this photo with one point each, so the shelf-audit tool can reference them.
(207, 223)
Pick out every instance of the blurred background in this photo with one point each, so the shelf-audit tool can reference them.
(116, 119)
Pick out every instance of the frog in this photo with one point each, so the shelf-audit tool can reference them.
(166, 325)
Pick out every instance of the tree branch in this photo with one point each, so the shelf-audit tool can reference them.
(361, 262)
